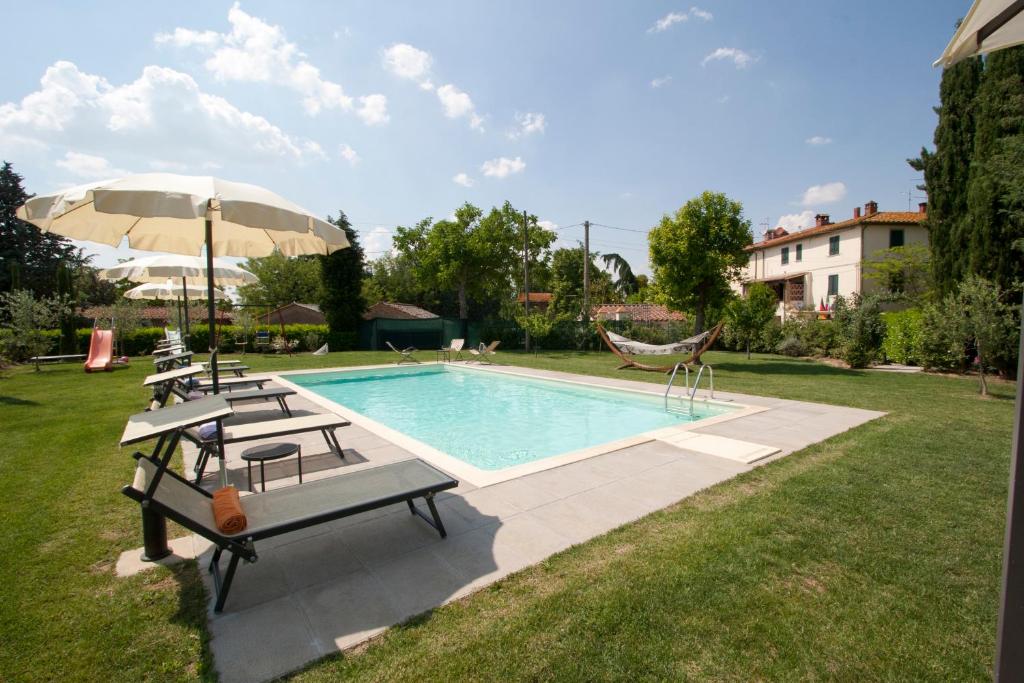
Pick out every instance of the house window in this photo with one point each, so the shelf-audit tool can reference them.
(833, 245)
(895, 238)
(785, 255)
(799, 252)
(833, 285)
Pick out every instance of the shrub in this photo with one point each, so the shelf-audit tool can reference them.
(903, 336)
(860, 329)
(939, 346)
(792, 346)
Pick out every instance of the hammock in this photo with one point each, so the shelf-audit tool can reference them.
(621, 346)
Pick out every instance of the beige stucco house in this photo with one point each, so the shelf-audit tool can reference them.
(811, 266)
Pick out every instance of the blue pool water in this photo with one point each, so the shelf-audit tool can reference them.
(491, 420)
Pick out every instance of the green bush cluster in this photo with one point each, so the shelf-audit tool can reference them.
(859, 327)
(903, 336)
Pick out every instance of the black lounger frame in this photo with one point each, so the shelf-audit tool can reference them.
(245, 548)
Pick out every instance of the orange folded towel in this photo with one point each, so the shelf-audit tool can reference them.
(227, 510)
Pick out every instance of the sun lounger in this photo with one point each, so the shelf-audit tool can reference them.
(174, 382)
(483, 354)
(286, 509)
(326, 424)
(168, 361)
(231, 383)
(406, 354)
(455, 345)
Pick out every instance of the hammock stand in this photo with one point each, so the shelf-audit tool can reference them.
(628, 362)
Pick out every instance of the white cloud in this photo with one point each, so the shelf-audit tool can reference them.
(89, 166)
(529, 123)
(165, 166)
(661, 81)
(463, 179)
(257, 52)
(373, 110)
(348, 154)
(797, 221)
(723, 99)
(406, 61)
(377, 242)
(161, 115)
(502, 167)
(818, 140)
(457, 104)
(737, 56)
(673, 18)
(548, 225)
(824, 194)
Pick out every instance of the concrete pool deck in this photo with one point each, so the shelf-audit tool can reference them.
(327, 588)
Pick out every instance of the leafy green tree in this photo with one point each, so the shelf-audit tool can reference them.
(282, 280)
(567, 282)
(27, 318)
(986, 322)
(27, 254)
(342, 299)
(476, 256)
(626, 283)
(748, 316)
(392, 278)
(698, 251)
(999, 131)
(901, 273)
(66, 292)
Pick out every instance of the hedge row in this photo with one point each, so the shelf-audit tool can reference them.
(142, 341)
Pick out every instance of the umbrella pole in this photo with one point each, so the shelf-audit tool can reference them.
(184, 293)
(211, 311)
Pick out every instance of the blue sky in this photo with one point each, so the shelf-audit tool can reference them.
(616, 112)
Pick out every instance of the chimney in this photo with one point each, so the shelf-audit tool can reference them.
(820, 220)
(856, 212)
(871, 208)
(922, 207)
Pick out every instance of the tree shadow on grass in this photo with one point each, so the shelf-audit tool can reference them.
(15, 401)
(768, 366)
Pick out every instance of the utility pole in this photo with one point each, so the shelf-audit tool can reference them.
(526, 275)
(586, 271)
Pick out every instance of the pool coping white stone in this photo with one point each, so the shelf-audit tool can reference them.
(479, 477)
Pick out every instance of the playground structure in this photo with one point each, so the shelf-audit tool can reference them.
(101, 351)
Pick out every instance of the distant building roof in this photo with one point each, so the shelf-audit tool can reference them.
(645, 313)
(871, 215)
(295, 312)
(396, 311)
(536, 297)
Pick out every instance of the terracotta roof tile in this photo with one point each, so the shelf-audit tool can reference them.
(650, 313)
(397, 311)
(898, 217)
(536, 297)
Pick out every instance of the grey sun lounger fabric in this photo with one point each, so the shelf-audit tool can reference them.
(287, 509)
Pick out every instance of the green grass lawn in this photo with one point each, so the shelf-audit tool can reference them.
(874, 555)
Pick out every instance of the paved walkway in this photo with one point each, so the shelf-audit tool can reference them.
(324, 589)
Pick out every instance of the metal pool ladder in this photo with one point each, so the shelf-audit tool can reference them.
(691, 393)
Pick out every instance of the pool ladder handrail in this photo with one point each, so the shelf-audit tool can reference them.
(672, 379)
(691, 393)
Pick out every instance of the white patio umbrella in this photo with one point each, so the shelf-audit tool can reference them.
(182, 215)
(157, 269)
(170, 290)
(989, 25)
(992, 25)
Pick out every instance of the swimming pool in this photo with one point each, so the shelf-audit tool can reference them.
(493, 420)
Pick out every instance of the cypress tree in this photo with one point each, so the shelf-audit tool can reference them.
(947, 172)
(342, 273)
(994, 208)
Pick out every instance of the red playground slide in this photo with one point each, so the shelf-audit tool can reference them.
(101, 347)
